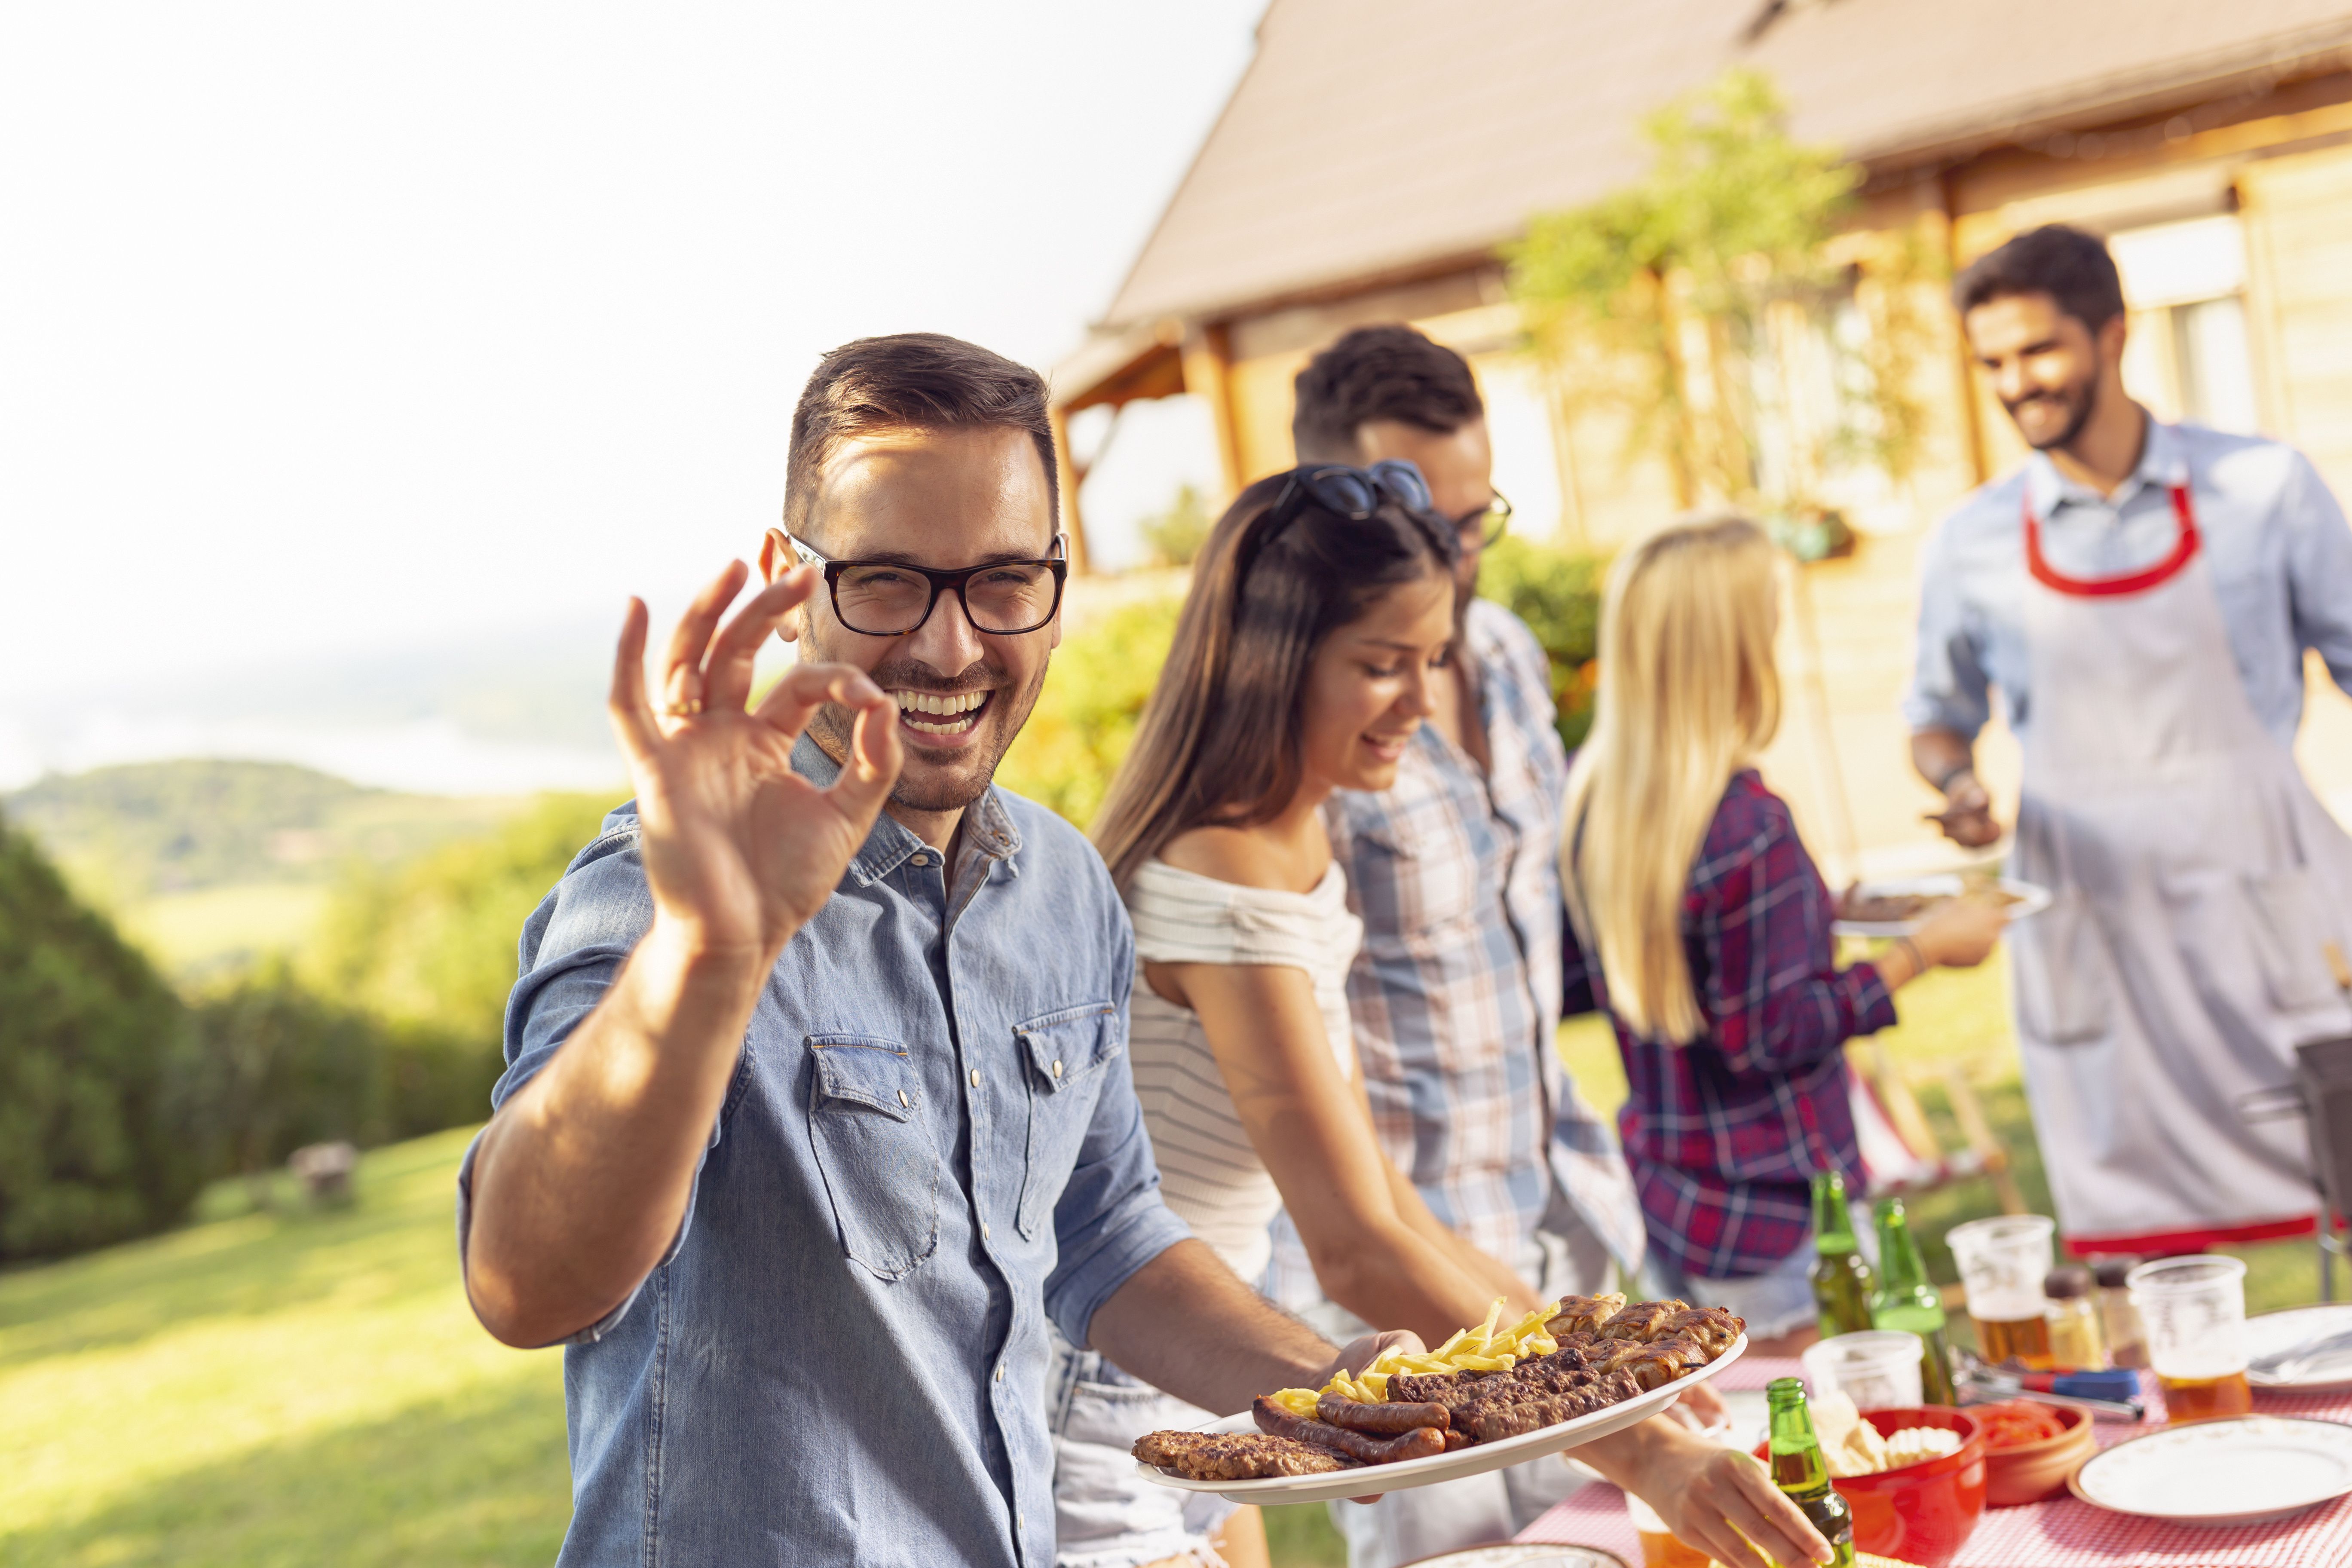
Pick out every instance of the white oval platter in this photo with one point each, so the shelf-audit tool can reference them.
(2032, 899)
(2222, 1472)
(1476, 1459)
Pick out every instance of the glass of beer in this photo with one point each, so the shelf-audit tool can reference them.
(2002, 1262)
(2195, 1310)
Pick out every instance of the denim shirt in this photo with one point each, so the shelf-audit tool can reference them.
(929, 1145)
(2274, 537)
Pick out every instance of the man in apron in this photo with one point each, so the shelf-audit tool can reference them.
(2142, 593)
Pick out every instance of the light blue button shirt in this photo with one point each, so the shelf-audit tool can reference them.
(930, 1146)
(2275, 540)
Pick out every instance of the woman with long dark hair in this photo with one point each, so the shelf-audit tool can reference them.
(1322, 612)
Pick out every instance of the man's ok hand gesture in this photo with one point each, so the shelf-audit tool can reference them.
(741, 850)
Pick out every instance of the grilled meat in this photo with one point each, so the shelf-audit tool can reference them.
(1496, 1420)
(1712, 1327)
(1642, 1321)
(1235, 1455)
(1415, 1444)
(1380, 1420)
(1584, 1314)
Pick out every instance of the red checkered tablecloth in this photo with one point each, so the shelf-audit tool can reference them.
(2060, 1533)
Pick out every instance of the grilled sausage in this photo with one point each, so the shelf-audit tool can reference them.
(1419, 1443)
(1386, 1420)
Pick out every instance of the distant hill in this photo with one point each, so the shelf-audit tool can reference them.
(209, 861)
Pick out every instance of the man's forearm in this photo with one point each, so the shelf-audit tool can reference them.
(1185, 1324)
(582, 1178)
(1941, 755)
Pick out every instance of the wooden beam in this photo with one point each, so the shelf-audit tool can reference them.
(1208, 374)
(1074, 523)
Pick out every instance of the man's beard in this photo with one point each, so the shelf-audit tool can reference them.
(941, 785)
(2086, 403)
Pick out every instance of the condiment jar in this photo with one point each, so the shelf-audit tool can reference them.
(2072, 1314)
(2126, 1338)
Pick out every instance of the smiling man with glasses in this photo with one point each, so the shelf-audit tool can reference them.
(816, 1108)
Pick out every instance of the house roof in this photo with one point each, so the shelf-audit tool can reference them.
(1373, 137)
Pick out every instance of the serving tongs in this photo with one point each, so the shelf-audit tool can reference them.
(1981, 1383)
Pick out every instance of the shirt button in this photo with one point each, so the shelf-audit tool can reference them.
(999, 1373)
(919, 859)
(983, 1230)
(975, 1078)
(1020, 1522)
(902, 1097)
(1057, 1069)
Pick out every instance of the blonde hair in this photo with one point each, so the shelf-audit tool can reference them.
(1690, 694)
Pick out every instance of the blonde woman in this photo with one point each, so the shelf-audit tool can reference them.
(1702, 925)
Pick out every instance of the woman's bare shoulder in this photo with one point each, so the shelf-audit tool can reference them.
(1233, 855)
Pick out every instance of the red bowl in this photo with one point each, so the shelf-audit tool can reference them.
(1921, 1513)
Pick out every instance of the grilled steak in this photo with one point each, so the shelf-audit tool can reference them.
(1235, 1455)
(1380, 1420)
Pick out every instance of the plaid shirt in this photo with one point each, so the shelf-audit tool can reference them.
(1456, 994)
(1724, 1134)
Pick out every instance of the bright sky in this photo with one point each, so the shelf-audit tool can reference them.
(338, 333)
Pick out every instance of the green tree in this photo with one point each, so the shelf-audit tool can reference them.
(284, 1067)
(99, 1138)
(1176, 535)
(1662, 297)
(430, 950)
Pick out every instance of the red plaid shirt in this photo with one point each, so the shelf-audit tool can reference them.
(1724, 1134)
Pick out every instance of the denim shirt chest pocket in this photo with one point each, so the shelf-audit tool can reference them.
(1064, 1054)
(881, 1166)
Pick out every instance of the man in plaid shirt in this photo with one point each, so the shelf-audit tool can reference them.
(1457, 992)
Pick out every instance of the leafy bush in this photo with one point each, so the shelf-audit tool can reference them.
(429, 949)
(1085, 717)
(1558, 596)
(285, 1068)
(99, 1138)
(1176, 535)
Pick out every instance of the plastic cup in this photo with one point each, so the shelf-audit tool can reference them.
(2195, 1312)
(1878, 1369)
(2002, 1262)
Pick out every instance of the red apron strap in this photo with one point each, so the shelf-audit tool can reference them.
(2183, 552)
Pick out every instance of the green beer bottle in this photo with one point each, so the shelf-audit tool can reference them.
(1801, 1472)
(1841, 1279)
(1905, 1300)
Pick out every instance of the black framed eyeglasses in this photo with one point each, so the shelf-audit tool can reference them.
(1486, 524)
(890, 598)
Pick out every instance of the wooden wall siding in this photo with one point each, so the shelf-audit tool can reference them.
(2298, 215)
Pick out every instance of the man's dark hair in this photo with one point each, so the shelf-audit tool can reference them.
(2071, 266)
(1379, 373)
(911, 381)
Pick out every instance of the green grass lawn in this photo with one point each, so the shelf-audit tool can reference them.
(276, 1388)
(282, 1386)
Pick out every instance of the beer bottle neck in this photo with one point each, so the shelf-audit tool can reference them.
(1798, 1468)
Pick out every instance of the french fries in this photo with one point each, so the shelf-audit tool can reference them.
(1485, 1348)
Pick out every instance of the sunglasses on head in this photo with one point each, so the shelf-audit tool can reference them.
(1352, 493)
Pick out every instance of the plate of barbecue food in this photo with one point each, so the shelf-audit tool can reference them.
(1895, 908)
(1581, 1368)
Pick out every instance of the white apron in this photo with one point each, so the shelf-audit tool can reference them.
(2196, 880)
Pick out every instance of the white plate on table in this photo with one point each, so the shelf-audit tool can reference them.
(1475, 1459)
(2222, 1472)
(1522, 1555)
(2032, 899)
(2275, 1332)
